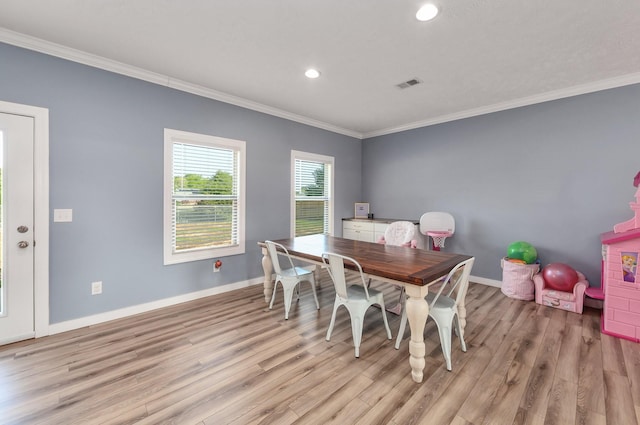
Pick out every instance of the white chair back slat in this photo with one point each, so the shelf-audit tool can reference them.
(272, 248)
(336, 269)
(457, 280)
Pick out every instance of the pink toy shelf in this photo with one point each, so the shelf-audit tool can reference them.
(621, 277)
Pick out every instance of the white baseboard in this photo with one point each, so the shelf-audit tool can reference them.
(95, 319)
(485, 281)
(142, 308)
(17, 338)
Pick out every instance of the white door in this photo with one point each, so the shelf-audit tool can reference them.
(16, 226)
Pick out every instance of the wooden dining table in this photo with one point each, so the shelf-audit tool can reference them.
(414, 269)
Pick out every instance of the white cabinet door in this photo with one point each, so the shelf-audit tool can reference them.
(370, 231)
(349, 234)
(366, 236)
(378, 231)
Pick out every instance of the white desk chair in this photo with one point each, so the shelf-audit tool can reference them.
(288, 278)
(444, 309)
(356, 298)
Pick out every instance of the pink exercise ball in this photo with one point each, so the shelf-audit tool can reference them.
(560, 277)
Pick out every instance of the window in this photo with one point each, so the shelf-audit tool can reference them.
(204, 190)
(312, 194)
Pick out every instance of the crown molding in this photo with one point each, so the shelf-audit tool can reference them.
(623, 80)
(42, 46)
(74, 55)
(258, 107)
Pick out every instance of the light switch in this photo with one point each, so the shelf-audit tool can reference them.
(63, 215)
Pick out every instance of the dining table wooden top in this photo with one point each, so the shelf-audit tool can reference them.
(403, 264)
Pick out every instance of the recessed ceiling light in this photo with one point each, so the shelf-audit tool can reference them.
(312, 73)
(427, 12)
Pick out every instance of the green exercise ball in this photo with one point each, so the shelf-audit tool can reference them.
(522, 251)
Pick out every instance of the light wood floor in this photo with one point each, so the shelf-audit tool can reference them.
(227, 359)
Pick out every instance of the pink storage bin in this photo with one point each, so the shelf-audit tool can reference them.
(517, 279)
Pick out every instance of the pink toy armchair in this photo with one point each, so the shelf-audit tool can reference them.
(570, 301)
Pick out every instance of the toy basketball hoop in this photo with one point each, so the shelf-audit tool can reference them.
(438, 239)
(437, 225)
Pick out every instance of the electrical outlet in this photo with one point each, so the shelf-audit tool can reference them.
(96, 288)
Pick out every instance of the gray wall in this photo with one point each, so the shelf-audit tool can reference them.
(106, 163)
(555, 174)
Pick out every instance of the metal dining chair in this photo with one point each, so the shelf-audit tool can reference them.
(444, 308)
(289, 278)
(356, 298)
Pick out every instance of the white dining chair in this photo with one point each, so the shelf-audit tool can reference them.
(444, 308)
(356, 298)
(288, 278)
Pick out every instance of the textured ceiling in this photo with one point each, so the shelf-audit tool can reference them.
(477, 56)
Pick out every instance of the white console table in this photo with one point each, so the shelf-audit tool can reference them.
(370, 230)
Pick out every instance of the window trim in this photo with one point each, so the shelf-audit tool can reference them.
(308, 156)
(177, 136)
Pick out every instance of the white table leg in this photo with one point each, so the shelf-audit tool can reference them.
(268, 272)
(316, 275)
(417, 313)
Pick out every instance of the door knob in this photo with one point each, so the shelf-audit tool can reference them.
(23, 244)
(23, 229)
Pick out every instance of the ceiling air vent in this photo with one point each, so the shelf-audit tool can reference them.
(407, 84)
